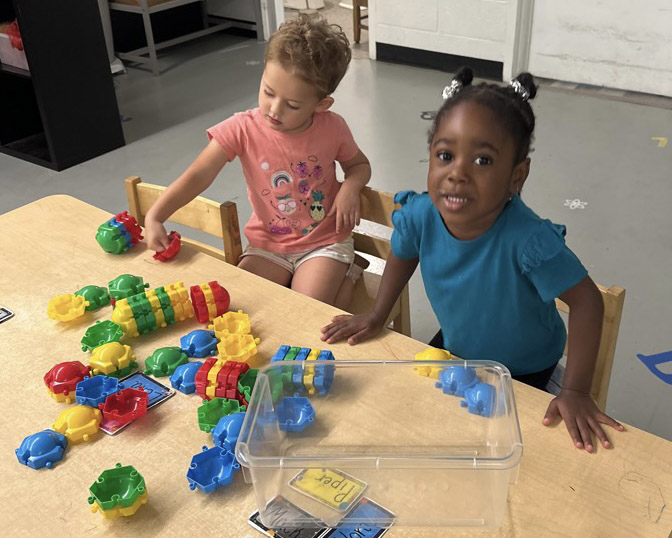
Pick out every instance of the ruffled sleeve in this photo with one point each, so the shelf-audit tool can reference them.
(548, 263)
(405, 240)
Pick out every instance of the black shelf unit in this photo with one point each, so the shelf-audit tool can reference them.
(64, 110)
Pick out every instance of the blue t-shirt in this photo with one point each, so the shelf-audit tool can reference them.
(493, 295)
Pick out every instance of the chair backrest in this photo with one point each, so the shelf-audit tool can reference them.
(613, 297)
(220, 220)
(376, 207)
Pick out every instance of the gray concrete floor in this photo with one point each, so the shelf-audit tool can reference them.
(593, 149)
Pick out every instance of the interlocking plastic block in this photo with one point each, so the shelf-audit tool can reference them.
(227, 380)
(212, 379)
(431, 354)
(201, 379)
(131, 226)
(199, 343)
(120, 486)
(456, 379)
(119, 510)
(111, 239)
(280, 354)
(174, 246)
(125, 286)
(211, 469)
(324, 373)
(225, 434)
(211, 411)
(222, 298)
(42, 449)
(124, 372)
(126, 405)
(109, 358)
(209, 300)
(479, 399)
(122, 230)
(66, 307)
(164, 361)
(246, 385)
(93, 391)
(62, 380)
(78, 423)
(240, 348)
(183, 378)
(231, 323)
(97, 296)
(101, 333)
(295, 413)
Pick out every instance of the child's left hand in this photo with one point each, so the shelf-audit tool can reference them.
(346, 206)
(582, 418)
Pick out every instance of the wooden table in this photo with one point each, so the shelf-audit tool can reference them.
(48, 248)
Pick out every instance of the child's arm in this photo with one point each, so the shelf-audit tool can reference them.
(361, 327)
(357, 174)
(198, 177)
(574, 404)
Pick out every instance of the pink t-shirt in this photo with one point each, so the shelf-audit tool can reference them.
(291, 178)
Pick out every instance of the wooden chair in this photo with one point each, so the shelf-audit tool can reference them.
(377, 207)
(220, 220)
(614, 298)
(357, 24)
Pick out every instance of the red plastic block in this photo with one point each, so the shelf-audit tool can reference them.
(131, 226)
(227, 380)
(200, 305)
(222, 297)
(201, 378)
(173, 248)
(63, 378)
(125, 405)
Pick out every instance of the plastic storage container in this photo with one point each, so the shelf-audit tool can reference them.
(386, 433)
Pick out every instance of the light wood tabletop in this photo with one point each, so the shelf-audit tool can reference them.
(48, 248)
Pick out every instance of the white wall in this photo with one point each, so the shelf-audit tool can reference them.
(623, 44)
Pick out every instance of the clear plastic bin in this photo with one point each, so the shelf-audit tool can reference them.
(395, 437)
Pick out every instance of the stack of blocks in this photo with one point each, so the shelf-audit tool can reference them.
(119, 233)
(305, 377)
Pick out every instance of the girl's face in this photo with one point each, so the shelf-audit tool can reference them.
(472, 173)
(288, 102)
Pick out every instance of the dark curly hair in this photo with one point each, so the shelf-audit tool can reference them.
(509, 105)
(313, 49)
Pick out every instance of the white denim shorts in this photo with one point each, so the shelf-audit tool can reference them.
(343, 252)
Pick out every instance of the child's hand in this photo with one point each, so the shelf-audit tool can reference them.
(582, 418)
(346, 207)
(355, 328)
(156, 236)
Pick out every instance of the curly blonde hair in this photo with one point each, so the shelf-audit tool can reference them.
(312, 49)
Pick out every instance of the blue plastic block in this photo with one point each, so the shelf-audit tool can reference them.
(94, 390)
(456, 379)
(42, 449)
(225, 434)
(324, 373)
(199, 343)
(297, 379)
(122, 230)
(211, 469)
(294, 413)
(183, 379)
(479, 399)
(280, 354)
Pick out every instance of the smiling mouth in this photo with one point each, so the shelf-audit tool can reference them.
(453, 202)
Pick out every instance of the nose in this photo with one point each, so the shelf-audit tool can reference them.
(275, 108)
(458, 172)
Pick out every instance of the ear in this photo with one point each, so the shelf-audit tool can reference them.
(324, 104)
(519, 175)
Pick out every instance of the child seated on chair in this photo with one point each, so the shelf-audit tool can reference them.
(491, 267)
(300, 232)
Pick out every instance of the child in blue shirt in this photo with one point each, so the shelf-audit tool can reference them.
(491, 267)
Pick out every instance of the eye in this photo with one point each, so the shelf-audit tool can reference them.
(483, 160)
(292, 107)
(267, 93)
(444, 156)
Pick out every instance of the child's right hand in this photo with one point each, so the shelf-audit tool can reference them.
(355, 328)
(155, 235)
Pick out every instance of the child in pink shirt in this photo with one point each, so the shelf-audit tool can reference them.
(300, 232)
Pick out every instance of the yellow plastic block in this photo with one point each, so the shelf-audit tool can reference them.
(153, 300)
(66, 307)
(309, 372)
(177, 292)
(183, 311)
(62, 397)
(160, 318)
(119, 510)
(130, 328)
(78, 423)
(231, 323)
(431, 354)
(111, 357)
(122, 312)
(237, 347)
